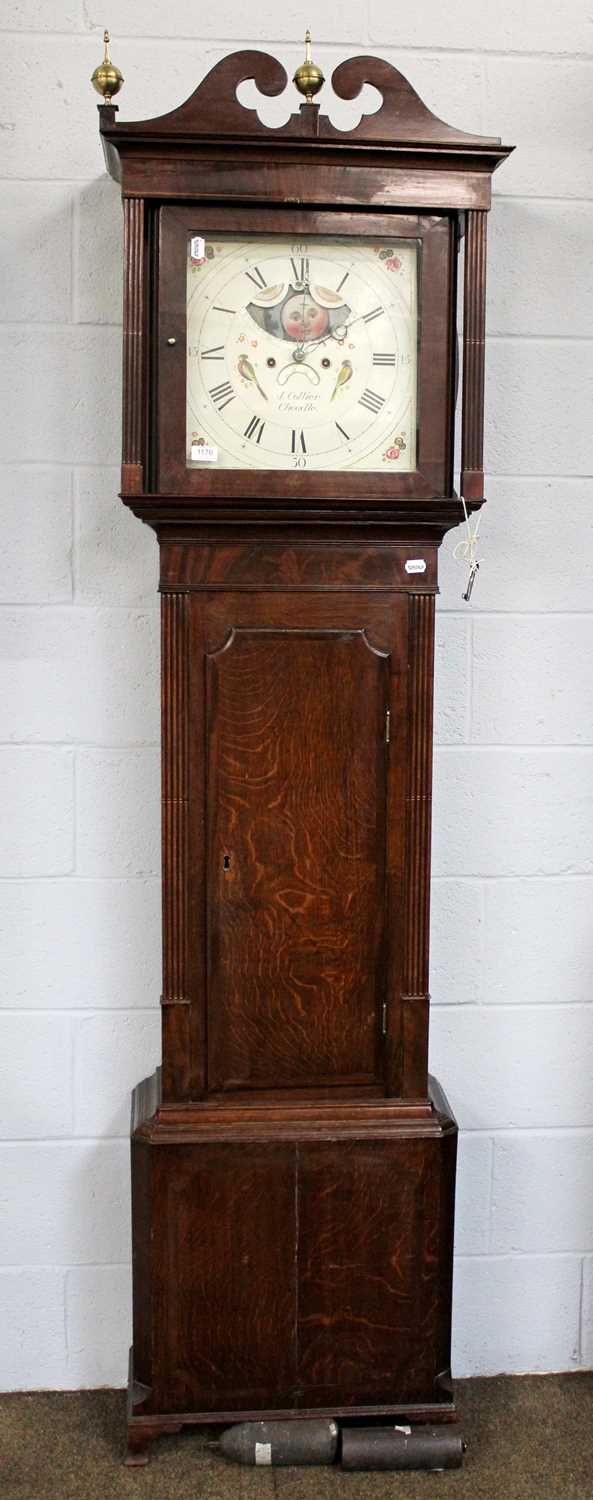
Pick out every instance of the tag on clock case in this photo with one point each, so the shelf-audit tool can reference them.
(204, 453)
(197, 248)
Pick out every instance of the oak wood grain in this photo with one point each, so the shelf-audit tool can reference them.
(224, 1265)
(290, 1274)
(296, 857)
(369, 1286)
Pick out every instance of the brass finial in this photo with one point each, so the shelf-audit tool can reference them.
(107, 79)
(308, 77)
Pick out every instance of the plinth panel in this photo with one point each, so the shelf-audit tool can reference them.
(225, 1275)
(307, 1273)
(369, 1270)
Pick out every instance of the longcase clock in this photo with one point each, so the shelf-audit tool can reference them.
(290, 372)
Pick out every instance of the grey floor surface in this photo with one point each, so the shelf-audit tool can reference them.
(530, 1438)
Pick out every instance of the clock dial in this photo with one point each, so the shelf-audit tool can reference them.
(302, 354)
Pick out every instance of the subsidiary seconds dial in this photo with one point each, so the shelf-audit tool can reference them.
(302, 354)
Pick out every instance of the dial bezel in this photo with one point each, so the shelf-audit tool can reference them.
(433, 473)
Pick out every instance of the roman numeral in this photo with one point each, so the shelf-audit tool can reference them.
(344, 434)
(217, 352)
(372, 401)
(344, 278)
(256, 277)
(383, 359)
(298, 441)
(229, 310)
(222, 394)
(255, 426)
(376, 313)
(300, 271)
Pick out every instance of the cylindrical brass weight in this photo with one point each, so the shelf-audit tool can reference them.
(281, 1444)
(397, 1448)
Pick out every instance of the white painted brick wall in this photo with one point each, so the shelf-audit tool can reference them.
(68, 1203)
(504, 1306)
(79, 944)
(587, 1313)
(512, 964)
(118, 812)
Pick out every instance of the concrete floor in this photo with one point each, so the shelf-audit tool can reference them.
(530, 1438)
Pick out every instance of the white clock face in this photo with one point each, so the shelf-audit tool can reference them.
(302, 354)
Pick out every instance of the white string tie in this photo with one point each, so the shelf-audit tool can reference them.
(465, 551)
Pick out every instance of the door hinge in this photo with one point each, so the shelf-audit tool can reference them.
(384, 1018)
(387, 726)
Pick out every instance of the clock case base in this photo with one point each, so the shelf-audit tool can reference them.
(290, 1263)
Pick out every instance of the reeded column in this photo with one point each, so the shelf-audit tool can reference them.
(175, 834)
(474, 337)
(133, 351)
(415, 997)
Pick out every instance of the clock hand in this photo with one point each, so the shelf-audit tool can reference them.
(246, 369)
(344, 328)
(305, 290)
(318, 343)
(345, 373)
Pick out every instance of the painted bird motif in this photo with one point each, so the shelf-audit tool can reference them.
(345, 374)
(246, 369)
